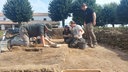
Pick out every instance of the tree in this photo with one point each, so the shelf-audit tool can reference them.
(77, 12)
(98, 10)
(18, 10)
(122, 12)
(109, 14)
(59, 10)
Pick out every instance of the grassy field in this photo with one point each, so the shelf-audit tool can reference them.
(1, 33)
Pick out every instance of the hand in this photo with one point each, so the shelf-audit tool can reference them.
(46, 45)
(69, 35)
(84, 25)
(64, 35)
(76, 36)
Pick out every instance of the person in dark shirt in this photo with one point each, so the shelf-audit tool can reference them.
(66, 34)
(34, 30)
(89, 23)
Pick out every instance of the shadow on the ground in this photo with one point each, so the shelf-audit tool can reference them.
(122, 54)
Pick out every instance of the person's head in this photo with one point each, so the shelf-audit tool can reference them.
(48, 27)
(84, 6)
(72, 24)
(66, 27)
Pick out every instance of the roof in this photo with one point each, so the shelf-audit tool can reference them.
(40, 14)
(31, 22)
(34, 14)
(45, 22)
(7, 22)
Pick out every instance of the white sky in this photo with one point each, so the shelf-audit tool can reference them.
(101, 2)
(42, 5)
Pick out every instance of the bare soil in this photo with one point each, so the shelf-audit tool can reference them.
(57, 59)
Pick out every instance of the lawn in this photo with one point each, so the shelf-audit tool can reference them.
(1, 33)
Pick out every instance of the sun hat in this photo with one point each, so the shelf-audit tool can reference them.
(48, 27)
(66, 26)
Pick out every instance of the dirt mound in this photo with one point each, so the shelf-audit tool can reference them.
(113, 38)
(31, 68)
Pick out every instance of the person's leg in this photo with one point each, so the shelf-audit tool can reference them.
(68, 40)
(73, 43)
(89, 40)
(94, 41)
(81, 43)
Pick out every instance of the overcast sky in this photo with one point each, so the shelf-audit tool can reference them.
(42, 5)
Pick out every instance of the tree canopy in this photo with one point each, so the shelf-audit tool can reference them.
(77, 12)
(111, 13)
(108, 14)
(18, 10)
(59, 10)
(122, 12)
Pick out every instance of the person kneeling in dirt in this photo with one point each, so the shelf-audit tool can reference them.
(34, 30)
(77, 40)
(67, 34)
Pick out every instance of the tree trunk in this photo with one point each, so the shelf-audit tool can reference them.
(113, 25)
(19, 24)
(63, 22)
(122, 25)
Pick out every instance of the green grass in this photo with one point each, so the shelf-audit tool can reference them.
(1, 33)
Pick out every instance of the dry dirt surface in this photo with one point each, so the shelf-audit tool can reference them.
(57, 59)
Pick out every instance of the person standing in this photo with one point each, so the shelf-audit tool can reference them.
(89, 23)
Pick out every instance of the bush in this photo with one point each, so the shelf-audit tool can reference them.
(1, 33)
(116, 37)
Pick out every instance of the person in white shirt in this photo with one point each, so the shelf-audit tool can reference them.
(77, 40)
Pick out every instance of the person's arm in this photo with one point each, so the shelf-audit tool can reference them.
(42, 40)
(84, 24)
(50, 42)
(64, 35)
(81, 31)
(94, 18)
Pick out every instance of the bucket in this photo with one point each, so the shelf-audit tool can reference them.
(3, 46)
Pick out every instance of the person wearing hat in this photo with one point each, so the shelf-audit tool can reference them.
(33, 30)
(67, 34)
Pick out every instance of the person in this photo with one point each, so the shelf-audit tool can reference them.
(66, 34)
(77, 38)
(33, 30)
(89, 23)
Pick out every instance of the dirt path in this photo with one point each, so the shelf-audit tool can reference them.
(106, 59)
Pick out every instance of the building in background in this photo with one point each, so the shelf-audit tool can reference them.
(37, 18)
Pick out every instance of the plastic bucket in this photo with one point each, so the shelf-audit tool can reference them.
(3, 46)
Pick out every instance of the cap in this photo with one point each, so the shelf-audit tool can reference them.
(66, 26)
(48, 27)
